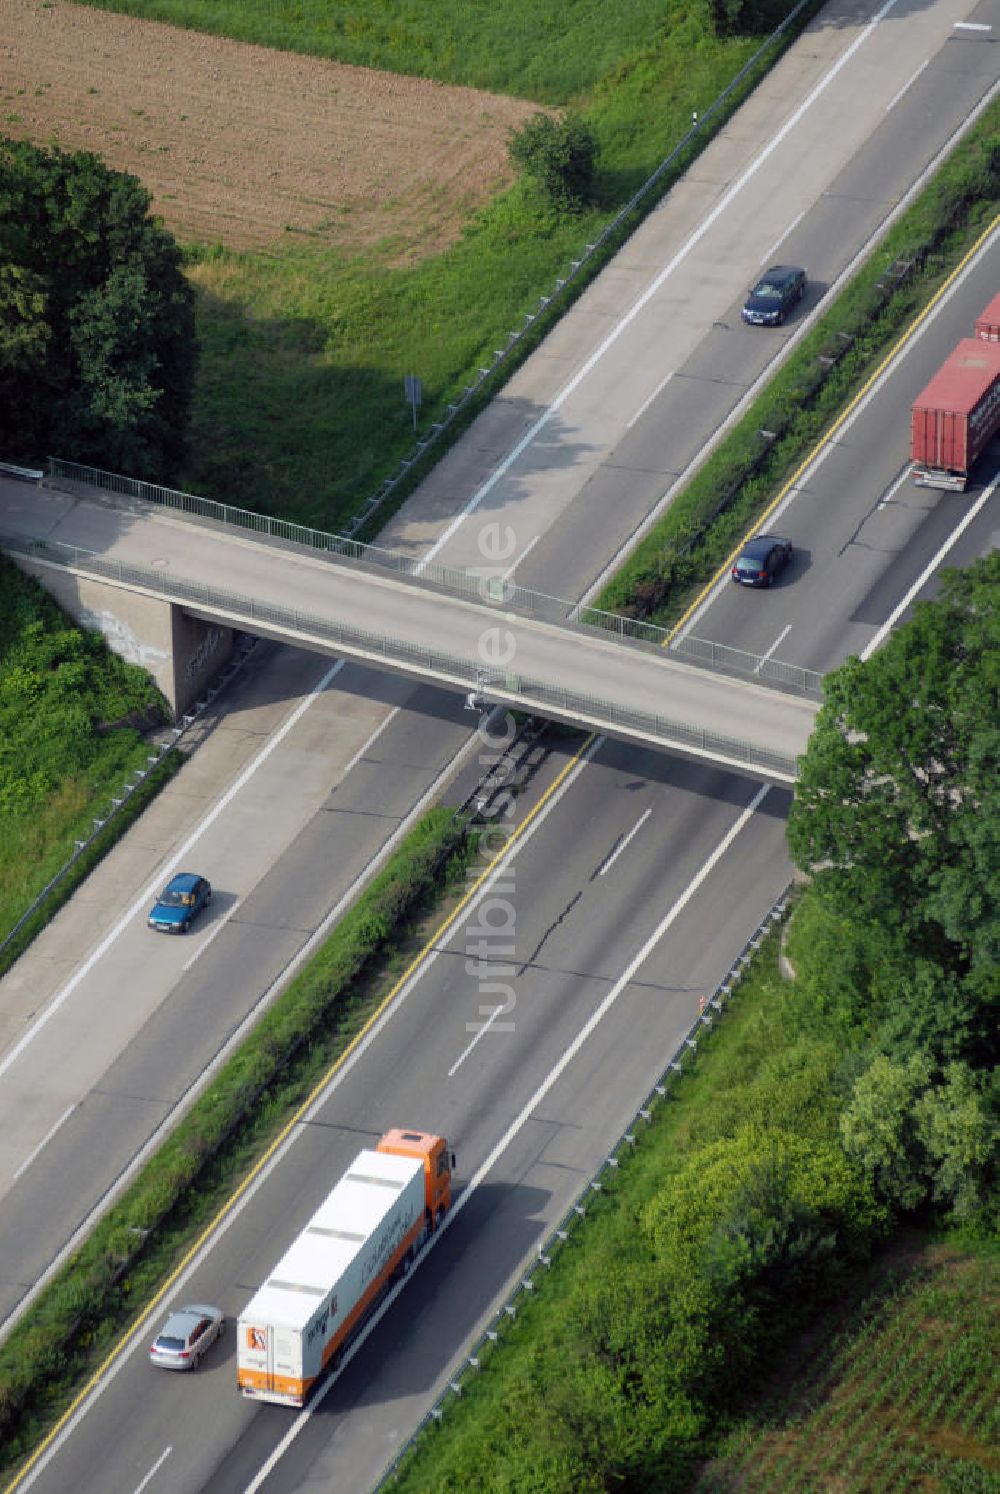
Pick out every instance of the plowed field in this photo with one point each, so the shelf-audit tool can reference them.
(243, 146)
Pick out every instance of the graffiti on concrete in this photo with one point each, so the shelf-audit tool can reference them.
(122, 641)
(207, 648)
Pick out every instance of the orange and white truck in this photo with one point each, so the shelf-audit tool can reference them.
(362, 1238)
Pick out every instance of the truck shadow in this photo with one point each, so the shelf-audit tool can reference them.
(449, 1299)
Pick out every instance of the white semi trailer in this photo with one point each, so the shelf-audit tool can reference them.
(319, 1294)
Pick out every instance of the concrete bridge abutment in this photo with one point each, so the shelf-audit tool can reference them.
(181, 653)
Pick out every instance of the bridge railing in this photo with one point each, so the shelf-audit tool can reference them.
(408, 657)
(494, 591)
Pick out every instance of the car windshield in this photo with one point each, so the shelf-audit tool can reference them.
(768, 291)
(173, 898)
(169, 1344)
(748, 563)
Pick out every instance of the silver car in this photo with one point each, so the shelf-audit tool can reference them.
(186, 1337)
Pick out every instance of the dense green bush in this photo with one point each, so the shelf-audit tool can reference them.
(558, 155)
(97, 339)
(61, 692)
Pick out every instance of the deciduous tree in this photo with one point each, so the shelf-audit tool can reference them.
(97, 340)
(897, 815)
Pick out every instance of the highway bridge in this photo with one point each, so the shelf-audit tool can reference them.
(125, 566)
(640, 873)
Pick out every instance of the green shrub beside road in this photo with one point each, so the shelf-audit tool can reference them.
(133, 1248)
(71, 721)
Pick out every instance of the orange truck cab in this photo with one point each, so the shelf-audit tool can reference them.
(438, 1162)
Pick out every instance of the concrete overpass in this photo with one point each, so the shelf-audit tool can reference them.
(169, 591)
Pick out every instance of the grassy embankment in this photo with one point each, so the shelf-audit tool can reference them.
(299, 406)
(70, 713)
(440, 1485)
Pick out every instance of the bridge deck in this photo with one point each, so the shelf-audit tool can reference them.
(575, 674)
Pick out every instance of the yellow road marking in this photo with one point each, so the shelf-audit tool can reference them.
(313, 1095)
(833, 429)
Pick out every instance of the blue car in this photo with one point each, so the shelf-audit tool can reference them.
(179, 904)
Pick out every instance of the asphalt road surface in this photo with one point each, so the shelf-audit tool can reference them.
(571, 966)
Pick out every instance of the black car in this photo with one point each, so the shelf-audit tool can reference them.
(774, 295)
(761, 559)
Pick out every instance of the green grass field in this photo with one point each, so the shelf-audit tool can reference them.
(552, 52)
(299, 406)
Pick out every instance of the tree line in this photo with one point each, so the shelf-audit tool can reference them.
(97, 329)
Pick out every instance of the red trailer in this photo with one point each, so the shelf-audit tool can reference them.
(988, 325)
(957, 415)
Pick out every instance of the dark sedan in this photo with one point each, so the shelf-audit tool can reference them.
(774, 295)
(179, 904)
(761, 559)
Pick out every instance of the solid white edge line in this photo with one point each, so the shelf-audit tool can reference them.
(303, 1417)
(693, 239)
(641, 530)
(928, 571)
(189, 1097)
(806, 477)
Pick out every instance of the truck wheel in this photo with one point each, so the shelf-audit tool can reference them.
(439, 1219)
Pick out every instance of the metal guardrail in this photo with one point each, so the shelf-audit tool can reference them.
(491, 590)
(409, 657)
(492, 1337)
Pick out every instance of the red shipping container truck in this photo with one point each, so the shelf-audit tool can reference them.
(958, 413)
(988, 325)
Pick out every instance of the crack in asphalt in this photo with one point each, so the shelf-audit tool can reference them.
(550, 931)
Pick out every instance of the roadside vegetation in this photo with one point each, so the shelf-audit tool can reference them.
(72, 722)
(733, 487)
(257, 1096)
(896, 1387)
(299, 407)
(826, 1110)
(829, 1111)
